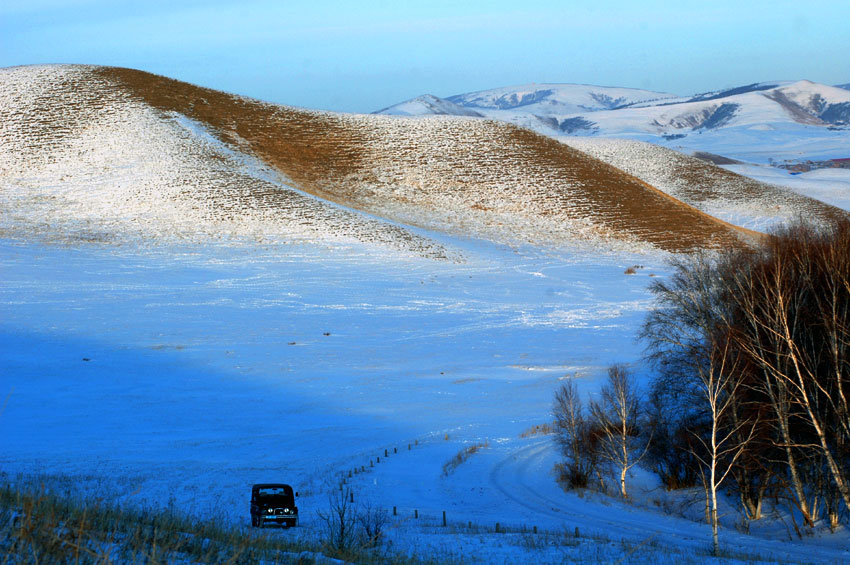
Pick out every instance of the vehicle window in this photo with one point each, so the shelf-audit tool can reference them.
(272, 491)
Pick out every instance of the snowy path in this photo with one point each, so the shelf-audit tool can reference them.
(523, 476)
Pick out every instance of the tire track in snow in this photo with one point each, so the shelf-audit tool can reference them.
(517, 474)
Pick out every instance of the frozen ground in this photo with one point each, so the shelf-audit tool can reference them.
(183, 374)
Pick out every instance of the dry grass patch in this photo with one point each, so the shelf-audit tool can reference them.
(461, 456)
(539, 430)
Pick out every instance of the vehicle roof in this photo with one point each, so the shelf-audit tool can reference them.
(271, 485)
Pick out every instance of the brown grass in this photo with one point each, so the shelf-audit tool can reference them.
(538, 430)
(461, 456)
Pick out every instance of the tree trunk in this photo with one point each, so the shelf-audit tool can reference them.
(713, 483)
(623, 482)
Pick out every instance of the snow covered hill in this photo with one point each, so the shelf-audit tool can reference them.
(82, 158)
(716, 191)
(99, 151)
(428, 105)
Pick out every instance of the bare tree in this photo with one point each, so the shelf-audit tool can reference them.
(763, 336)
(794, 305)
(688, 335)
(719, 386)
(372, 521)
(340, 520)
(755, 308)
(615, 417)
(574, 436)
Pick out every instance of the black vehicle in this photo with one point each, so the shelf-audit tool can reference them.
(273, 502)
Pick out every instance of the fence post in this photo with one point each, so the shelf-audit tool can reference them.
(444, 518)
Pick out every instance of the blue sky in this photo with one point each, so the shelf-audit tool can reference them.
(363, 56)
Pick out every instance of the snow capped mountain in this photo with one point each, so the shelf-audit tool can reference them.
(808, 101)
(784, 117)
(555, 99)
(801, 102)
(428, 104)
(717, 94)
(541, 107)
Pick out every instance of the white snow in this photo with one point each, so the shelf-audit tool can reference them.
(555, 99)
(186, 373)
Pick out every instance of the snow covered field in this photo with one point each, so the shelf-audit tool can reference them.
(182, 374)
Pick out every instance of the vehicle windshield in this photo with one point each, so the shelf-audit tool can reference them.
(275, 496)
(273, 491)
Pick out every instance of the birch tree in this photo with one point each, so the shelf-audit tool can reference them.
(615, 417)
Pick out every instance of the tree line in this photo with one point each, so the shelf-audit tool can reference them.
(751, 393)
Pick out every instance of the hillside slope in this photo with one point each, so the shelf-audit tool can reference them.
(106, 146)
(463, 175)
(716, 191)
(81, 158)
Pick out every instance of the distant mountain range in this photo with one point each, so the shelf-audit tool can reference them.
(771, 113)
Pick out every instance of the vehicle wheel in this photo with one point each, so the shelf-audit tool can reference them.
(253, 521)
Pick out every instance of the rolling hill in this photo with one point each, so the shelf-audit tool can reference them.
(95, 152)
(714, 190)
